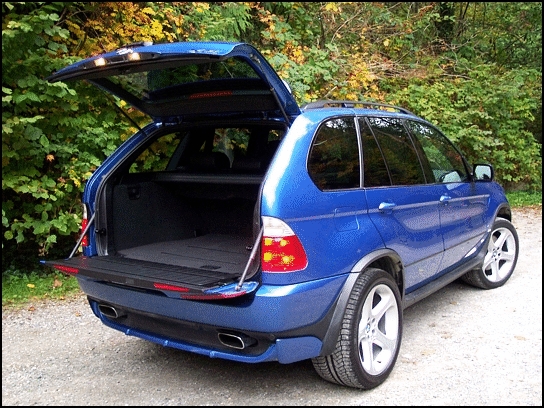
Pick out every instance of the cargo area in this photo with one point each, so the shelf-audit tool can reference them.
(199, 222)
(183, 211)
(180, 229)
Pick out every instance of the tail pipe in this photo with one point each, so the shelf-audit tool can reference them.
(110, 311)
(238, 341)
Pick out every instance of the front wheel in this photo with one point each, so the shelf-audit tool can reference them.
(500, 259)
(370, 337)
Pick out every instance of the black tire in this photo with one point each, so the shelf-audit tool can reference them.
(370, 337)
(500, 260)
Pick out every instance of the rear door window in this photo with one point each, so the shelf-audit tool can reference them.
(398, 150)
(374, 167)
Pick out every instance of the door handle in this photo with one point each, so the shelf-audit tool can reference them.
(445, 199)
(386, 207)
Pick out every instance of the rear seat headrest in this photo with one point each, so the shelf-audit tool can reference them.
(256, 164)
(209, 161)
(247, 165)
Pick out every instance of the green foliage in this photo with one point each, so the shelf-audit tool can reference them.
(508, 34)
(53, 135)
(487, 116)
(21, 288)
(204, 21)
(525, 198)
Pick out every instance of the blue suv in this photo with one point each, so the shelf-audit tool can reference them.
(240, 225)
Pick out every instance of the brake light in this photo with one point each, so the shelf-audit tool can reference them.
(214, 296)
(218, 293)
(210, 94)
(84, 223)
(85, 240)
(281, 250)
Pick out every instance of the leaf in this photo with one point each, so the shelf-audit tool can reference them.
(44, 141)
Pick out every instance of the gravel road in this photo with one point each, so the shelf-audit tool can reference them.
(461, 346)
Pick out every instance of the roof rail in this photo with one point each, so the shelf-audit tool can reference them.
(137, 44)
(352, 104)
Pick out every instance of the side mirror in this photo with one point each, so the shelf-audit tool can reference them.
(483, 172)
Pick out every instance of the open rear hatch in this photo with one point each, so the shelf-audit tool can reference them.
(179, 81)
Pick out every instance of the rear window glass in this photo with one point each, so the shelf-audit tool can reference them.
(228, 69)
(334, 158)
(165, 81)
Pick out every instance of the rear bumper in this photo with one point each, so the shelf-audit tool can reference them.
(278, 323)
(264, 349)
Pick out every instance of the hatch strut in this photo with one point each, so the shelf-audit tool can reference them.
(274, 93)
(118, 108)
(256, 246)
(82, 235)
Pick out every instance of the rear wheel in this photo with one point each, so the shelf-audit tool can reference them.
(500, 259)
(370, 337)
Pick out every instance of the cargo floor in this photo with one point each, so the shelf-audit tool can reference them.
(220, 253)
(198, 263)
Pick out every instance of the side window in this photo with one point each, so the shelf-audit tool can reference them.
(157, 155)
(374, 168)
(446, 162)
(398, 150)
(334, 157)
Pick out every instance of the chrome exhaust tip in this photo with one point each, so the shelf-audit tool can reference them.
(110, 311)
(238, 341)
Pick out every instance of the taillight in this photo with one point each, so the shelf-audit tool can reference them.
(67, 269)
(84, 222)
(165, 286)
(281, 250)
(218, 293)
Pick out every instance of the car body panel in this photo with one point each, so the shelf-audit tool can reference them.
(464, 219)
(272, 309)
(410, 225)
